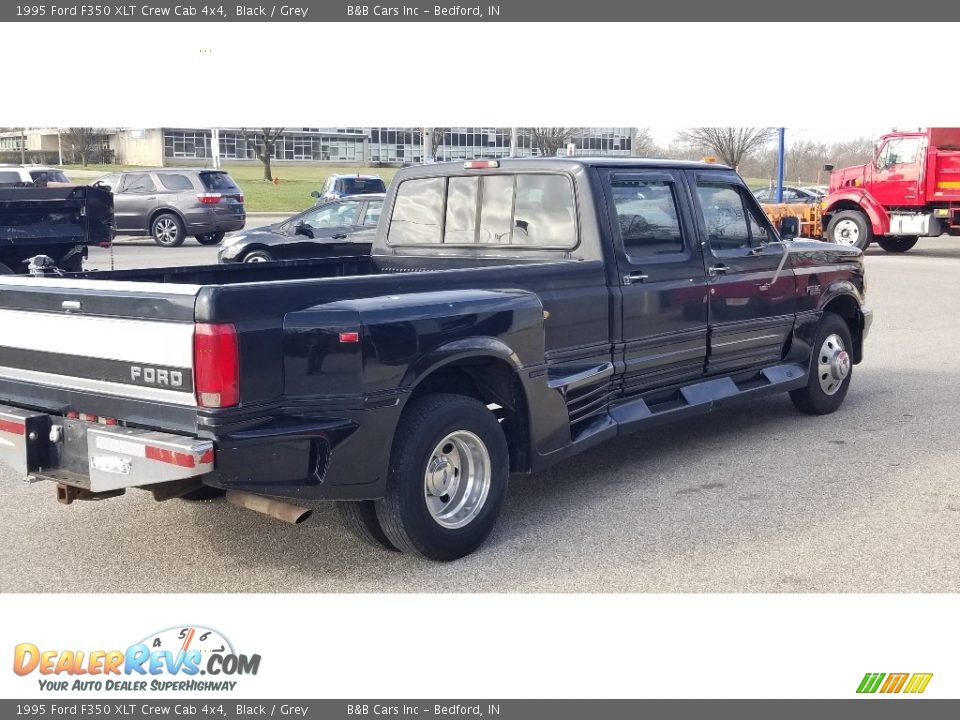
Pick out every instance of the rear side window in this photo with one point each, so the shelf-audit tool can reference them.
(140, 183)
(522, 210)
(647, 216)
(45, 176)
(418, 213)
(175, 181)
(218, 182)
(9, 178)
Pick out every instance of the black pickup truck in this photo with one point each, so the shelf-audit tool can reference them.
(57, 221)
(512, 313)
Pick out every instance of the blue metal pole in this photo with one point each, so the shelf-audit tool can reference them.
(780, 153)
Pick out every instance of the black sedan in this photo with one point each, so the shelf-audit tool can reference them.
(791, 195)
(341, 227)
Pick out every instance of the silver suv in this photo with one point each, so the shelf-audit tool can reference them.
(173, 203)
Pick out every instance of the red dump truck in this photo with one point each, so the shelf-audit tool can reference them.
(911, 189)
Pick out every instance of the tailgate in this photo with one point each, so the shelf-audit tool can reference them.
(112, 348)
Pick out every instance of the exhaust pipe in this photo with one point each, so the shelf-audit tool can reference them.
(268, 506)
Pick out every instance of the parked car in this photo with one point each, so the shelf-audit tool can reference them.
(512, 314)
(171, 204)
(339, 186)
(340, 227)
(791, 194)
(818, 190)
(31, 176)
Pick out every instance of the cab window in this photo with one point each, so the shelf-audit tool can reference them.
(730, 222)
(647, 217)
(898, 151)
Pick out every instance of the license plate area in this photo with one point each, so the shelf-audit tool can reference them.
(94, 457)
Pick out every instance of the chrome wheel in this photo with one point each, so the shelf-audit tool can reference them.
(255, 259)
(846, 233)
(457, 479)
(166, 231)
(833, 364)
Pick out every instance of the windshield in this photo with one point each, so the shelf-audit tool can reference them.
(360, 186)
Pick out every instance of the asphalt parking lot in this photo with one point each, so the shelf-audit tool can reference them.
(753, 499)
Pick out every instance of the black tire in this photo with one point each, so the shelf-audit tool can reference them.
(839, 230)
(258, 256)
(897, 244)
(812, 398)
(361, 519)
(167, 230)
(204, 493)
(213, 238)
(404, 514)
(4, 270)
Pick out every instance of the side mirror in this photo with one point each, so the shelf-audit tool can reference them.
(103, 186)
(789, 228)
(828, 168)
(315, 194)
(304, 229)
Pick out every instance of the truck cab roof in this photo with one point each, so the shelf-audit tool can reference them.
(560, 163)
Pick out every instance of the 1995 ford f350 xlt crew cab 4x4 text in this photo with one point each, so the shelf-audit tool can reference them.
(512, 313)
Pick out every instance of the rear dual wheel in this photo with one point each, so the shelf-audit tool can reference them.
(448, 476)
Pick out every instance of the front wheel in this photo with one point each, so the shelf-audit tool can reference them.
(830, 369)
(850, 228)
(448, 476)
(897, 244)
(213, 238)
(258, 256)
(167, 230)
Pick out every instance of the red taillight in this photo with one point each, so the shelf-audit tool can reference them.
(216, 365)
(238, 198)
(209, 198)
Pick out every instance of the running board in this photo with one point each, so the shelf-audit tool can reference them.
(705, 396)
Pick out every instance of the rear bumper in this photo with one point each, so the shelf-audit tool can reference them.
(341, 458)
(96, 457)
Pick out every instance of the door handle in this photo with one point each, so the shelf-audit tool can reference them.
(717, 269)
(339, 237)
(635, 277)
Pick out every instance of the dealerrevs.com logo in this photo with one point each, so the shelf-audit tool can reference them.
(181, 659)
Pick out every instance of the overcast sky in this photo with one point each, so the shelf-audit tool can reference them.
(663, 136)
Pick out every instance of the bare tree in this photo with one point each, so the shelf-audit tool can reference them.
(729, 144)
(549, 140)
(83, 142)
(264, 140)
(437, 134)
(642, 144)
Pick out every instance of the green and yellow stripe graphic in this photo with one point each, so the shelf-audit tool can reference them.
(894, 683)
